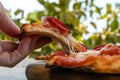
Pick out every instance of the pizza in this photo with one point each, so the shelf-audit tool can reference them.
(75, 55)
(104, 59)
(55, 29)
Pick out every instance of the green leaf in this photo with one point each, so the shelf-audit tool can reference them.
(93, 24)
(98, 10)
(41, 1)
(35, 15)
(104, 16)
(46, 50)
(115, 15)
(91, 13)
(77, 5)
(109, 8)
(114, 25)
(86, 2)
(64, 3)
(34, 54)
(18, 11)
(92, 3)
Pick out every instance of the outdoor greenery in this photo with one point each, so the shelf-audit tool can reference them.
(75, 16)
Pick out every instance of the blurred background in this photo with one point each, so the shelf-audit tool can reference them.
(93, 22)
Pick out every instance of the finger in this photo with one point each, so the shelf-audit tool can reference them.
(8, 45)
(7, 25)
(30, 43)
(27, 44)
(10, 59)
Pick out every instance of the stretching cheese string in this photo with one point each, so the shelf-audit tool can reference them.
(71, 48)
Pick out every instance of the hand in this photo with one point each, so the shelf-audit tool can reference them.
(12, 53)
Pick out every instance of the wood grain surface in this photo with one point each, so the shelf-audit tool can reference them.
(39, 72)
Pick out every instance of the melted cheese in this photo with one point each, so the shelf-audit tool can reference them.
(84, 55)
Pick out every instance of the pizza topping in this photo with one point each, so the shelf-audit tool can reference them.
(73, 62)
(59, 53)
(53, 22)
(79, 59)
(110, 49)
(100, 63)
(107, 59)
(98, 47)
(83, 55)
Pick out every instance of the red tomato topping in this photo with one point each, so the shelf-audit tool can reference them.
(59, 53)
(73, 62)
(110, 49)
(98, 47)
(54, 22)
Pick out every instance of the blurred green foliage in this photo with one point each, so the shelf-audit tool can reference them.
(74, 17)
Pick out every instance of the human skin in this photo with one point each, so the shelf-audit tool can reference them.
(7, 25)
(12, 53)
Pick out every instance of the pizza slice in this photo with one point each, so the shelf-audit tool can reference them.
(58, 31)
(74, 56)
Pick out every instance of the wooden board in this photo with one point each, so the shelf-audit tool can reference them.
(39, 72)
